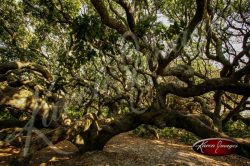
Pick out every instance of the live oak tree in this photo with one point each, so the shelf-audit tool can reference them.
(119, 64)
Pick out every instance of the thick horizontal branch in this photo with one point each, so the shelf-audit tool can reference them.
(183, 72)
(17, 123)
(5, 67)
(11, 123)
(225, 84)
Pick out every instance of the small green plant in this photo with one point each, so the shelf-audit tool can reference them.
(74, 113)
(142, 131)
(179, 135)
(237, 129)
(5, 115)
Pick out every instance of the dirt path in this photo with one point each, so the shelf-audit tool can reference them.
(129, 150)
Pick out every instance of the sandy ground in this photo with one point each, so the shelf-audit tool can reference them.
(128, 150)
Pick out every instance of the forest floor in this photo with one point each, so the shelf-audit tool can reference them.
(128, 150)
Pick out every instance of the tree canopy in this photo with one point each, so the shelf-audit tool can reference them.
(88, 70)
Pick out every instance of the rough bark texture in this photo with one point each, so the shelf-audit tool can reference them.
(90, 133)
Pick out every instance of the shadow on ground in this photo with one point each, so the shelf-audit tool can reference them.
(128, 150)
